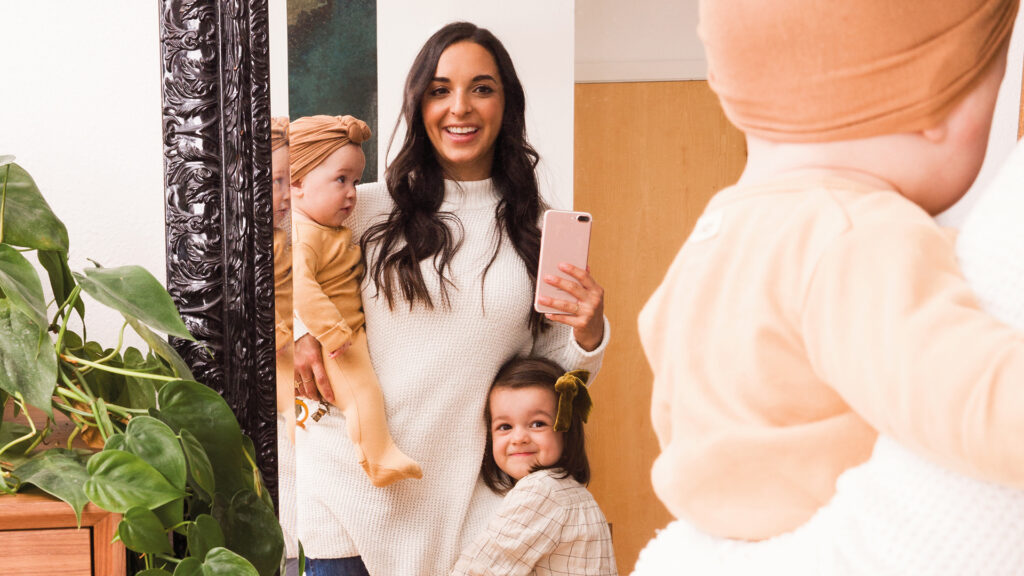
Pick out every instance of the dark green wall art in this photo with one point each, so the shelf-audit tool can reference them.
(332, 64)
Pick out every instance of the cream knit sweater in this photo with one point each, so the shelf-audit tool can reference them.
(435, 367)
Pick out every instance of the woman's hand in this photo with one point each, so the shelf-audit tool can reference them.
(586, 313)
(310, 377)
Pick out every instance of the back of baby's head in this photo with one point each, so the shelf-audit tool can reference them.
(313, 138)
(817, 71)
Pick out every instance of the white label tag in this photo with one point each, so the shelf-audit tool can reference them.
(707, 226)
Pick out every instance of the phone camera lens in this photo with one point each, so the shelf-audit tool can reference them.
(583, 218)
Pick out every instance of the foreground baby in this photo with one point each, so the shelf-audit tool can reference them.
(548, 523)
(327, 162)
(818, 304)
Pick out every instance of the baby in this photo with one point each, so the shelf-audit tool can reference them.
(548, 523)
(817, 303)
(327, 162)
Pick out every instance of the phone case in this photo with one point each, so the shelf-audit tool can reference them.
(565, 238)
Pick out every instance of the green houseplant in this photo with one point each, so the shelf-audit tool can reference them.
(173, 457)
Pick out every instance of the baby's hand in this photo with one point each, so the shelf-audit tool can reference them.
(340, 351)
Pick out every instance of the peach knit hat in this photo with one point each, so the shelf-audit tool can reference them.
(314, 138)
(824, 70)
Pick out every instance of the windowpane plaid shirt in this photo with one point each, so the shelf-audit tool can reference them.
(545, 526)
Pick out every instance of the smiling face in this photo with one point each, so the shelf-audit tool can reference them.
(327, 195)
(279, 172)
(462, 111)
(522, 432)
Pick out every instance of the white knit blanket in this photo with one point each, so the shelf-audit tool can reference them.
(898, 513)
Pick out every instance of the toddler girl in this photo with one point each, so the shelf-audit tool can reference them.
(548, 523)
(327, 162)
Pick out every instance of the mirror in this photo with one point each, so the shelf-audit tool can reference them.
(352, 58)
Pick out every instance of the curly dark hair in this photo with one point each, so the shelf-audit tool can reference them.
(535, 372)
(416, 230)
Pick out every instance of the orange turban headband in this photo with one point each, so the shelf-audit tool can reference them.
(278, 132)
(817, 70)
(314, 138)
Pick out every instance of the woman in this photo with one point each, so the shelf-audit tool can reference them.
(451, 244)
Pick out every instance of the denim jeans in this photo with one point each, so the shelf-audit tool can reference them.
(336, 567)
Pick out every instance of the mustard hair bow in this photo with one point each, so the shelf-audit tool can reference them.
(572, 392)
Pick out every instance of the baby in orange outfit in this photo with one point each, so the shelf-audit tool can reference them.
(327, 162)
(817, 303)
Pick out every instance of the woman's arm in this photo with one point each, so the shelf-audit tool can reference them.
(576, 340)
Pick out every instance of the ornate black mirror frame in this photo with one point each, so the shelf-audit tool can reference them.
(218, 203)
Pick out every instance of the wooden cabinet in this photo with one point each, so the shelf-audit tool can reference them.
(39, 537)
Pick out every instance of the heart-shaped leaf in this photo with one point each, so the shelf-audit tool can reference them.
(115, 442)
(224, 562)
(20, 283)
(188, 405)
(204, 535)
(120, 480)
(60, 473)
(28, 220)
(142, 531)
(135, 293)
(200, 471)
(154, 572)
(155, 442)
(28, 365)
(251, 528)
(189, 567)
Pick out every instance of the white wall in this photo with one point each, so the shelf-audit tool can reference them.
(80, 109)
(643, 41)
(278, 16)
(538, 35)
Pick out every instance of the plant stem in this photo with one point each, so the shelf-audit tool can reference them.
(71, 437)
(42, 435)
(67, 305)
(20, 401)
(169, 558)
(179, 525)
(80, 377)
(83, 397)
(72, 409)
(120, 342)
(72, 359)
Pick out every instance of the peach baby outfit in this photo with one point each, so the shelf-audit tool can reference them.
(328, 269)
(801, 316)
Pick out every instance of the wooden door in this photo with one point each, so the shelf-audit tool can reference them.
(648, 157)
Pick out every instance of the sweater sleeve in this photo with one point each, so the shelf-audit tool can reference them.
(892, 325)
(525, 529)
(318, 314)
(559, 345)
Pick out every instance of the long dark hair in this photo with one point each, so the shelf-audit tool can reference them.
(416, 230)
(535, 372)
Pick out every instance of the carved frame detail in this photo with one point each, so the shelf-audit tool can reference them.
(218, 204)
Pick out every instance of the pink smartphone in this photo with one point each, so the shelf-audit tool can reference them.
(565, 238)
